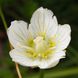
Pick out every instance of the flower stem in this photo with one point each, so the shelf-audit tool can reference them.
(18, 71)
(5, 26)
(41, 74)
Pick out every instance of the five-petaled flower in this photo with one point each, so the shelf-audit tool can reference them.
(41, 44)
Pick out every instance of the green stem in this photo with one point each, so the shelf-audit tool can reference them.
(5, 26)
(3, 19)
(41, 73)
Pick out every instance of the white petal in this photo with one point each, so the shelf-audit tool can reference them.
(43, 21)
(18, 33)
(53, 61)
(63, 37)
(46, 64)
(19, 56)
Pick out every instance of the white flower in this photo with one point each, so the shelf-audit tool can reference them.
(42, 44)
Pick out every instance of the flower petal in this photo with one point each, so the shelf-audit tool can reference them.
(18, 33)
(43, 21)
(53, 61)
(19, 55)
(63, 37)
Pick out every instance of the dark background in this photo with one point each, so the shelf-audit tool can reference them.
(66, 12)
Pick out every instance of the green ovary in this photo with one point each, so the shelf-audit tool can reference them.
(41, 48)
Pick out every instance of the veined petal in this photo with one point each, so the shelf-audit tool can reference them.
(19, 55)
(18, 33)
(43, 22)
(63, 36)
(53, 61)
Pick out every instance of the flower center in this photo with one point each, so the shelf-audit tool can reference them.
(40, 48)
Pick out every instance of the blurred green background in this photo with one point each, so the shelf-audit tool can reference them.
(66, 11)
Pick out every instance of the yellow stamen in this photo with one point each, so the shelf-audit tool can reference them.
(41, 48)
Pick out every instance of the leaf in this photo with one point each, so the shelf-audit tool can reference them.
(61, 73)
